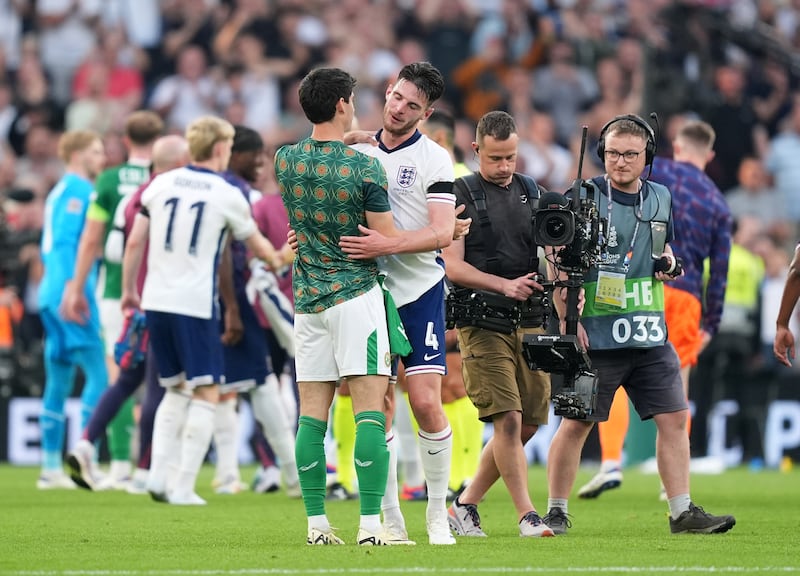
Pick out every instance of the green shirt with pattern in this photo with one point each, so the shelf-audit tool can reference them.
(327, 188)
(113, 188)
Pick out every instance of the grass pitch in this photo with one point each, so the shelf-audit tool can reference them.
(79, 533)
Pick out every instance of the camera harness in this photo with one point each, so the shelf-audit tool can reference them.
(478, 195)
(483, 309)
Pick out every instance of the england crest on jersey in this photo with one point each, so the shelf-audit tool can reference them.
(406, 176)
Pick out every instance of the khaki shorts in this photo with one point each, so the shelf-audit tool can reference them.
(498, 379)
(349, 339)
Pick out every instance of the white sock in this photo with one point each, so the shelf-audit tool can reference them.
(608, 465)
(370, 523)
(120, 469)
(678, 505)
(408, 453)
(195, 443)
(319, 522)
(436, 450)
(268, 410)
(557, 503)
(288, 398)
(167, 428)
(226, 436)
(390, 503)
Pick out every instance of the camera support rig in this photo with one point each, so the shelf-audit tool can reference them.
(579, 230)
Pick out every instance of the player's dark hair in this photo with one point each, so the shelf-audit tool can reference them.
(426, 77)
(321, 90)
(142, 127)
(246, 140)
(497, 124)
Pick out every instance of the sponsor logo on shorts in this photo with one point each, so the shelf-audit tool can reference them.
(429, 357)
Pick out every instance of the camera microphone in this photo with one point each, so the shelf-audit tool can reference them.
(553, 200)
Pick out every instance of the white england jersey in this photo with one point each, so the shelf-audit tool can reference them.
(411, 169)
(191, 210)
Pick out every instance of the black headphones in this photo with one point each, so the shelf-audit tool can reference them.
(650, 148)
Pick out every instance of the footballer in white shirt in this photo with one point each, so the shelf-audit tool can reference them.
(420, 175)
(186, 216)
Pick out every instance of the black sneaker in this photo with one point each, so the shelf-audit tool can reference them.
(695, 520)
(338, 492)
(558, 520)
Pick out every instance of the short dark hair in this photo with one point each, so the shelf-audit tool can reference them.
(321, 90)
(426, 77)
(246, 140)
(143, 127)
(497, 124)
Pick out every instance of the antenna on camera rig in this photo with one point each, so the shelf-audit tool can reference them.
(562, 354)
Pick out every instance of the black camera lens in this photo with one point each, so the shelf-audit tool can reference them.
(554, 227)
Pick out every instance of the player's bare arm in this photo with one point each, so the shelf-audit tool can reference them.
(465, 274)
(74, 306)
(380, 240)
(132, 261)
(234, 329)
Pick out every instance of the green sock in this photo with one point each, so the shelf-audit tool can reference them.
(344, 433)
(120, 431)
(372, 460)
(309, 451)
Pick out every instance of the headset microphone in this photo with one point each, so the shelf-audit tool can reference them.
(657, 135)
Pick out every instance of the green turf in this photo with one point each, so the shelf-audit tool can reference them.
(624, 531)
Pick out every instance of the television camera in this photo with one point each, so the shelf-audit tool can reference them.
(572, 226)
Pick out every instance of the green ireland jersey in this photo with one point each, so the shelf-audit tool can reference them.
(113, 188)
(624, 302)
(327, 188)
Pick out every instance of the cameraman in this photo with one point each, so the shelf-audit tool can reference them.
(623, 320)
(497, 264)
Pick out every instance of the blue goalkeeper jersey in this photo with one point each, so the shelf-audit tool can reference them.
(64, 217)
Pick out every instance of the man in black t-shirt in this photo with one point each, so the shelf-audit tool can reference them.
(496, 262)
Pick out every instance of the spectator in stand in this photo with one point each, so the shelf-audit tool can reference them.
(184, 23)
(733, 119)
(253, 81)
(563, 89)
(66, 33)
(8, 111)
(755, 197)
(39, 160)
(548, 162)
(125, 85)
(781, 162)
(94, 110)
(188, 94)
(35, 105)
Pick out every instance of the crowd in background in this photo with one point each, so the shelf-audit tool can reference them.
(555, 65)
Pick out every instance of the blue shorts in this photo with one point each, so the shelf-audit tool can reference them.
(651, 378)
(62, 337)
(246, 361)
(423, 320)
(186, 349)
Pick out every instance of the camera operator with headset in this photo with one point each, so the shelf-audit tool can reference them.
(495, 301)
(623, 322)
